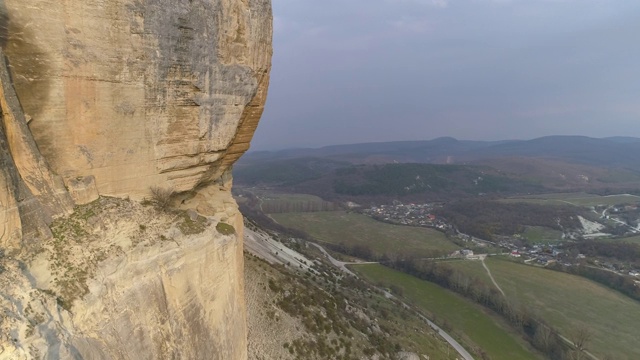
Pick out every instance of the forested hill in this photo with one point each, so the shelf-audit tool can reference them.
(610, 152)
(446, 168)
(331, 180)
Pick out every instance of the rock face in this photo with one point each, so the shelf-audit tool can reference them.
(111, 98)
(140, 92)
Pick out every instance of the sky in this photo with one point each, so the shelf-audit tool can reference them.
(352, 71)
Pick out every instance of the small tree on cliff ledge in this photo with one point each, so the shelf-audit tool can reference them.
(161, 197)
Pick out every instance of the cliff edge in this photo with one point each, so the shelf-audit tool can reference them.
(103, 103)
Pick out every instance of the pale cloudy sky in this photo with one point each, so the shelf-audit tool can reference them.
(348, 71)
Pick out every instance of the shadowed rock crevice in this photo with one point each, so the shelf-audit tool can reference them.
(30, 77)
(4, 25)
(33, 194)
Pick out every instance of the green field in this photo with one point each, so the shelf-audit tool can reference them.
(287, 197)
(578, 199)
(280, 203)
(473, 268)
(339, 227)
(569, 302)
(462, 315)
(631, 239)
(540, 234)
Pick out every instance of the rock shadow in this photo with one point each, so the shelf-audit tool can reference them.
(4, 25)
(29, 68)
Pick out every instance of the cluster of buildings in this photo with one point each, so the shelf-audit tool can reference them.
(423, 215)
(408, 214)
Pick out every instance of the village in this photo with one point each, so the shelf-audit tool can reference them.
(408, 214)
(543, 254)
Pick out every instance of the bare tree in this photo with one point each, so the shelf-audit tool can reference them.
(544, 337)
(161, 197)
(581, 337)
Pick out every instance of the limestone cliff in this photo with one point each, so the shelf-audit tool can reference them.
(103, 100)
(140, 92)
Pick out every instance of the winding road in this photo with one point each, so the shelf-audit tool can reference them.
(341, 264)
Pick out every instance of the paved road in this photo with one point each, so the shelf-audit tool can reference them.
(465, 355)
(341, 265)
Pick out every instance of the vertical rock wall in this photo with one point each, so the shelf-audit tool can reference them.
(140, 92)
(114, 97)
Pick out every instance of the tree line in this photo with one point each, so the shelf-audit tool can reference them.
(535, 330)
(485, 219)
(618, 249)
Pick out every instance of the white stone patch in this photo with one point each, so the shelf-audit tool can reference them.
(590, 227)
(261, 244)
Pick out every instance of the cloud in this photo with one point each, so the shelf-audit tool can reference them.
(400, 69)
(419, 26)
(434, 3)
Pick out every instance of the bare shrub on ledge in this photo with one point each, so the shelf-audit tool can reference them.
(161, 197)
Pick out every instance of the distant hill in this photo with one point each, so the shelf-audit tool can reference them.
(383, 182)
(616, 152)
(445, 166)
(285, 172)
(619, 152)
(428, 151)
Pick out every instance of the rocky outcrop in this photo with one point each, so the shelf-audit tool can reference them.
(140, 92)
(107, 99)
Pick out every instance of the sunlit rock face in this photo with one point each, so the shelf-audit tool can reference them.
(109, 98)
(140, 93)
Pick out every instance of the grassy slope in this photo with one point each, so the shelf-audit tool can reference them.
(355, 229)
(270, 327)
(539, 234)
(278, 203)
(631, 239)
(289, 197)
(471, 267)
(578, 199)
(462, 315)
(568, 301)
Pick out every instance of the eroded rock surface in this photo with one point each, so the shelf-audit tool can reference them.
(119, 280)
(103, 100)
(140, 92)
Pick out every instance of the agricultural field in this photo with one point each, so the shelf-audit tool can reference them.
(471, 267)
(278, 203)
(477, 326)
(351, 229)
(577, 199)
(570, 302)
(540, 234)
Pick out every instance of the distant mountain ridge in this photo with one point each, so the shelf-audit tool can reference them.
(610, 152)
